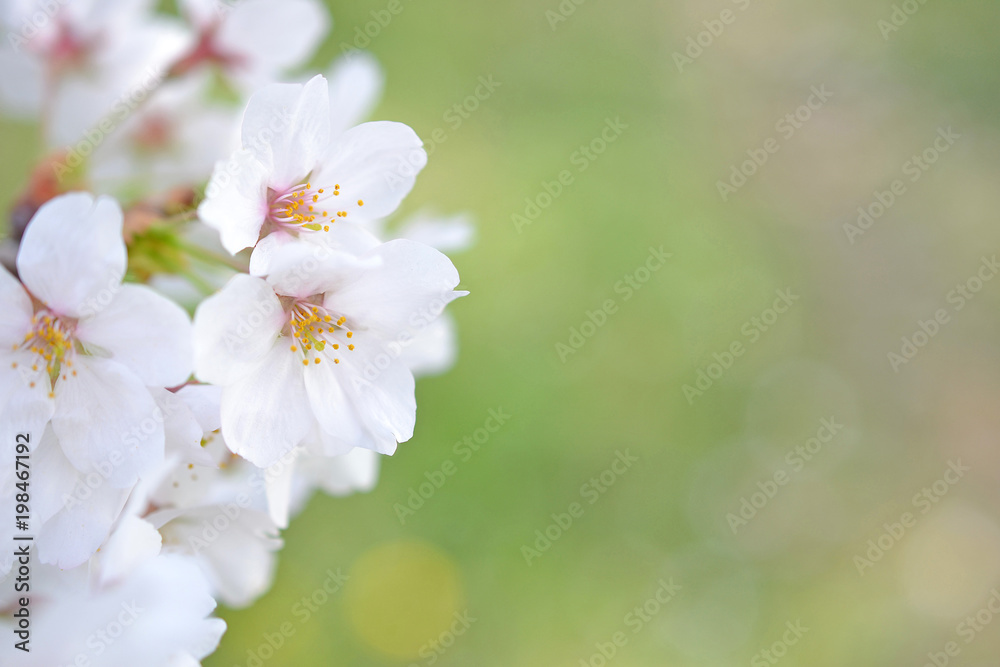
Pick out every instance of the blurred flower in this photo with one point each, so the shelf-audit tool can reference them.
(86, 59)
(173, 140)
(135, 607)
(254, 42)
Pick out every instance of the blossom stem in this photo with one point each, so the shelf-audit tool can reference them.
(180, 218)
(205, 255)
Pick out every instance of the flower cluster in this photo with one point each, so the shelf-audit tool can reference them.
(205, 316)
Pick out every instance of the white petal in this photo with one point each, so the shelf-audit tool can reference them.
(146, 332)
(236, 201)
(343, 237)
(302, 269)
(356, 83)
(240, 561)
(274, 36)
(105, 415)
(133, 541)
(287, 127)
(24, 400)
(203, 400)
(183, 660)
(182, 431)
(433, 348)
(164, 604)
(409, 290)
(376, 163)
(279, 487)
(333, 409)
(55, 479)
(16, 308)
(348, 237)
(342, 475)
(87, 508)
(263, 252)
(72, 536)
(235, 327)
(72, 254)
(380, 388)
(266, 413)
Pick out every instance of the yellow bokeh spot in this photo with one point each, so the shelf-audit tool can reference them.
(402, 595)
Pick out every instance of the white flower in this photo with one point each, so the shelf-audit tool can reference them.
(142, 609)
(206, 506)
(173, 139)
(314, 348)
(79, 348)
(79, 60)
(292, 180)
(255, 41)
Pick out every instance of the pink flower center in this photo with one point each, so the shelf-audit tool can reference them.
(154, 133)
(303, 208)
(207, 51)
(67, 49)
(315, 329)
(51, 339)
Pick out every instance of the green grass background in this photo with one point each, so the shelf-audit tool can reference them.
(826, 357)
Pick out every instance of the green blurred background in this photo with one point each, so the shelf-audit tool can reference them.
(665, 517)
